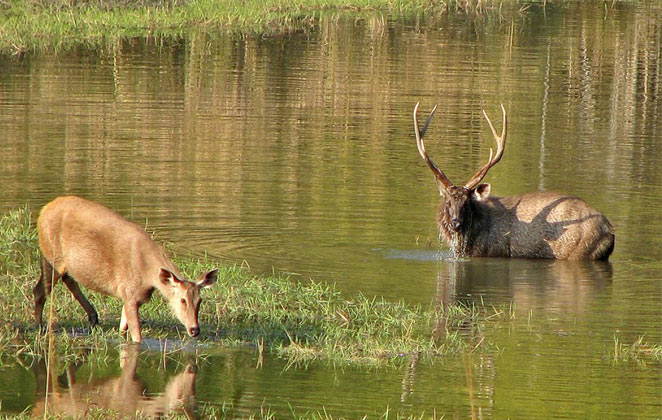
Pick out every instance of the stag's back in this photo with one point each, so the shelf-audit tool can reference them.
(547, 224)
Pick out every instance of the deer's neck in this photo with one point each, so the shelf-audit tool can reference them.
(472, 239)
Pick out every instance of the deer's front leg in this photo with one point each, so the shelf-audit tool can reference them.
(131, 321)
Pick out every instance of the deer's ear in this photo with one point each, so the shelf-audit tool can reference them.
(207, 279)
(168, 278)
(442, 188)
(482, 191)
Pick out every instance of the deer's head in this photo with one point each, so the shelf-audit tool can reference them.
(184, 296)
(457, 200)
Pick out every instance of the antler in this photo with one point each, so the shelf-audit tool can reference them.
(494, 159)
(441, 178)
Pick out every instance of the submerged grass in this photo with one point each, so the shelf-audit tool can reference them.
(28, 25)
(638, 352)
(300, 321)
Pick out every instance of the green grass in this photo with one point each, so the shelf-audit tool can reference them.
(226, 412)
(29, 25)
(296, 320)
(56, 25)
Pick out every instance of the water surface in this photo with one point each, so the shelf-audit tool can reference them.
(296, 154)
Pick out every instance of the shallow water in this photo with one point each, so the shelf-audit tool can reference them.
(296, 154)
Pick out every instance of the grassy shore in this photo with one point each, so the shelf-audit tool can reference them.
(298, 320)
(226, 412)
(29, 25)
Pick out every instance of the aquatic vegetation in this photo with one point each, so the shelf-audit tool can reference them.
(638, 352)
(27, 25)
(297, 320)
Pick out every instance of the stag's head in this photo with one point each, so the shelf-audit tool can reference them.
(457, 200)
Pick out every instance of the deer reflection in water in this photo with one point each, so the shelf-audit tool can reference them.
(541, 285)
(125, 394)
(550, 286)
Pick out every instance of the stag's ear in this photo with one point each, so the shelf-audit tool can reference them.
(482, 191)
(442, 188)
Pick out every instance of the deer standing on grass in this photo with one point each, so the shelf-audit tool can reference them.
(85, 243)
(538, 224)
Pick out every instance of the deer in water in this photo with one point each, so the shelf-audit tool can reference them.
(540, 224)
(85, 243)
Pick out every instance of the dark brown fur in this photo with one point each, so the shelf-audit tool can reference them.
(535, 225)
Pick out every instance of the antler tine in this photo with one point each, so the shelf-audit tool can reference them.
(438, 173)
(500, 140)
(494, 157)
(417, 132)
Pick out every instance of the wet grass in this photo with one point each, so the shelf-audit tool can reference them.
(29, 25)
(57, 25)
(297, 320)
(227, 412)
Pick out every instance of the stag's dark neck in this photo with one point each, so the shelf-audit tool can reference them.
(471, 240)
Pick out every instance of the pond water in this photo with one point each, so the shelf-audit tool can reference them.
(295, 153)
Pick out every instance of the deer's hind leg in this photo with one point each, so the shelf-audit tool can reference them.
(74, 288)
(43, 288)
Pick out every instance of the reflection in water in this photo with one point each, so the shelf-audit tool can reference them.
(125, 394)
(296, 152)
(554, 286)
(567, 287)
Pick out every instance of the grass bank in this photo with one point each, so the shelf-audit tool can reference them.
(297, 320)
(300, 321)
(29, 25)
(225, 412)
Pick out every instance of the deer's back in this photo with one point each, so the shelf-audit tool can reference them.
(96, 246)
(552, 225)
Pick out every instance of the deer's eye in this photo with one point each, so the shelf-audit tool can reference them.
(183, 301)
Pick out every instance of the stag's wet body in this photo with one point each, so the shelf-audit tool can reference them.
(539, 224)
(513, 227)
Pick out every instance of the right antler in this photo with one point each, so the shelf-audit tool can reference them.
(441, 178)
(493, 160)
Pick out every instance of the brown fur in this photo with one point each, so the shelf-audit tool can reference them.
(535, 225)
(85, 243)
